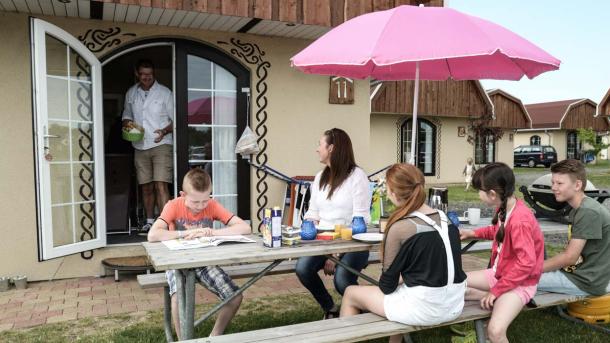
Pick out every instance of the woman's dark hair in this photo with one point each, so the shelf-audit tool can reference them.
(342, 161)
(497, 177)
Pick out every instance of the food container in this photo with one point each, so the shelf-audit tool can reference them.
(328, 236)
(291, 241)
(133, 133)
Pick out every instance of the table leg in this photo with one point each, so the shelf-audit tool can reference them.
(468, 246)
(167, 314)
(239, 291)
(353, 271)
(479, 327)
(185, 291)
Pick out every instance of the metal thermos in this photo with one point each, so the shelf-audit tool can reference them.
(438, 198)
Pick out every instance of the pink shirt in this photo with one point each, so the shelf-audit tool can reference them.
(520, 261)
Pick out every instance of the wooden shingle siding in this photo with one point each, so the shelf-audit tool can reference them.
(450, 98)
(509, 114)
(310, 12)
(604, 105)
(582, 116)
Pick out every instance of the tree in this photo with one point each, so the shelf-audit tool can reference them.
(589, 137)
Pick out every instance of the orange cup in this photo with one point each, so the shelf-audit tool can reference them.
(346, 233)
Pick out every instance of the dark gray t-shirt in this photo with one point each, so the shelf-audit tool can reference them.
(591, 221)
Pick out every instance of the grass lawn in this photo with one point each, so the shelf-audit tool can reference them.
(534, 326)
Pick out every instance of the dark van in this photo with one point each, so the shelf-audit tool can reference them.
(533, 155)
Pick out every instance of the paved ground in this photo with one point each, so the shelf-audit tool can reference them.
(63, 300)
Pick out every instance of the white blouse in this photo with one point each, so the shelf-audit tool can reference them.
(352, 198)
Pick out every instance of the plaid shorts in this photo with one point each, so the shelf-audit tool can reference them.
(212, 278)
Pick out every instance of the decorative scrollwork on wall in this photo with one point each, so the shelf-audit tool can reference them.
(439, 150)
(97, 40)
(252, 54)
(399, 122)
(84, 151)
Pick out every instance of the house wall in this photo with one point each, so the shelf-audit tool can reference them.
(298, 113)
(504, 149)
(555, 138)
(451, 153)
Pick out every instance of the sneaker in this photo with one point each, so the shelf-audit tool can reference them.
(143, 231)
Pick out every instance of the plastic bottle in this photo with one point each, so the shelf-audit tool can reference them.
(276, 227)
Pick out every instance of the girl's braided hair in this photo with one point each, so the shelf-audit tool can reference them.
(497, 177)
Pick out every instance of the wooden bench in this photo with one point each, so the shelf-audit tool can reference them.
(130, 263)
(368, 326)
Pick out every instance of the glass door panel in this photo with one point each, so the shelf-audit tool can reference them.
(212, 126)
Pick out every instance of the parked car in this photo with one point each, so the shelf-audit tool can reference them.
(533, 155)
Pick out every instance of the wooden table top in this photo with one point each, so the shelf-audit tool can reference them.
(235, 253)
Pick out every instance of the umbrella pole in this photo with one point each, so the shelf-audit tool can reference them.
(414, 124)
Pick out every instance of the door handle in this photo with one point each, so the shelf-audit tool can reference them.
(52, 136)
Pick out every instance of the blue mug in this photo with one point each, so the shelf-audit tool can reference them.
(308, 230)
(453, 218)
(358, 225)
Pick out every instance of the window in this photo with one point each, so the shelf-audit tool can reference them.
(536, 149)
(573, 145)
(212, 126)
(549, 149)
(426, 144)
(484, 149)
(535, 140)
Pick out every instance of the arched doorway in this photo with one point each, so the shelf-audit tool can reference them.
(210, 93)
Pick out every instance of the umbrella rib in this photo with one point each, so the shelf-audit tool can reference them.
(385, 27)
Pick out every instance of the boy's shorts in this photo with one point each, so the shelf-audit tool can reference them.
(526, 293)
(212, 278)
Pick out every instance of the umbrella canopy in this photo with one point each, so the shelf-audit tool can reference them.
(386, 45)
(429, 43)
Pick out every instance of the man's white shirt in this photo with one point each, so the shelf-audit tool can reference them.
(153, 112)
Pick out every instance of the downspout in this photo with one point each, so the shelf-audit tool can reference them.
(546, 132)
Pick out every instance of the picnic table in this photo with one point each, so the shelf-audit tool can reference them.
(184, 262)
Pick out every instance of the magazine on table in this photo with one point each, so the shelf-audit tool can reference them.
(202, 242)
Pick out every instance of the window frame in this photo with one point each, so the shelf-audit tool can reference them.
(485, 149)
(403, 141)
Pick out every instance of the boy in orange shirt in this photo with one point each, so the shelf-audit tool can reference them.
(190, 216)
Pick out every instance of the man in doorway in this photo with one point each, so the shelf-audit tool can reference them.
(151, 106)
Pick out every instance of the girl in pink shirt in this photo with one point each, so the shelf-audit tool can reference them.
(517, 251)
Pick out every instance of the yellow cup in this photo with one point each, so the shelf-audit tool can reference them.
(338, 228)
(346, 233)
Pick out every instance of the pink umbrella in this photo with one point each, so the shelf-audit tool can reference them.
(428, 43)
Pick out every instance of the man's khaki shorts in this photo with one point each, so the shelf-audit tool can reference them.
(155, 164)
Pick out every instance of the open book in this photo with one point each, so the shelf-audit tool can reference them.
(202, 242)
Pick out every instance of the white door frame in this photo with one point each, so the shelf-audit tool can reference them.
(47, 250)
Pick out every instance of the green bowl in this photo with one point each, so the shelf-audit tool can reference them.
(132, 137)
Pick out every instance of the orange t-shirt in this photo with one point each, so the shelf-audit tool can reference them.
(178, 216)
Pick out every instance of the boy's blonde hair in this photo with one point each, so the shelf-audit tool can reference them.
(469, 160)
(198, 179)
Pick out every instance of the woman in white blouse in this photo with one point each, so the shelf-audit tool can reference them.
(339, 192)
